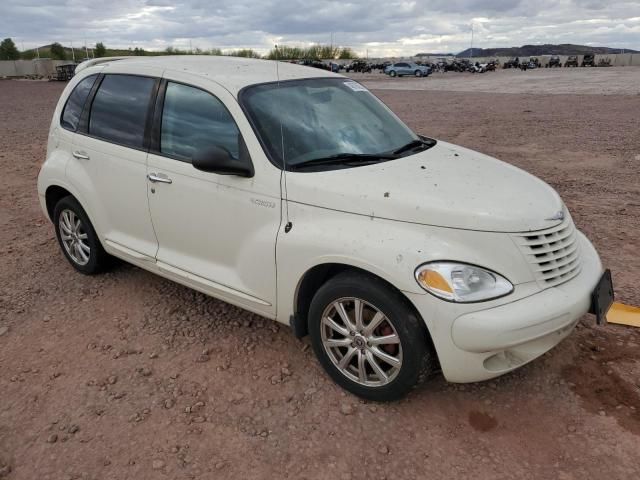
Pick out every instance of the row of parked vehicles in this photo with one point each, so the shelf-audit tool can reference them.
(421, 69)
(588, 60)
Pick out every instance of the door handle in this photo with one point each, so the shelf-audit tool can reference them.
(158, 178)
(80, 155)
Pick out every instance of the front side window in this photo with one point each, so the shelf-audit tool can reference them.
(193, 121)
(75, 103)
(312, 119)
(119, 109)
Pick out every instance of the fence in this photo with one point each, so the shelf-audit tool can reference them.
(44, 67)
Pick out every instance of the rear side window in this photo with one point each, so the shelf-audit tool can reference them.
(119, 109)
(75, 103)
(194, 120)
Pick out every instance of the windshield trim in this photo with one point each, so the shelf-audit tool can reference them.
(267, 151)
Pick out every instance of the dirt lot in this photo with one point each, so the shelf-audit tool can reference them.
(129, 376)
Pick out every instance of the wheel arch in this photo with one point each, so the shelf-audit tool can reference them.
(53, 195)
(317, 276)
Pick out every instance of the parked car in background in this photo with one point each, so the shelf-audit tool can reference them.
(358, 66)
(554, 62)
(399, 255)
(65, 72)
(512, 63)
(492, 65)
(533, 63)
(589, 60)
(572, 61)
(407, 68)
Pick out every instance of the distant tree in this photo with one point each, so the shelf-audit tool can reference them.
(314, 52)
(347, 53)
(215, 51)
(28, 55)
(245, 52)
(57, 52)
(139, 51)
(284, 52)
(8, 50)
(175, 51)
(100, 50)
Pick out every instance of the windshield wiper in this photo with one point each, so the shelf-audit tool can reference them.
(344, 158)
(423, 142)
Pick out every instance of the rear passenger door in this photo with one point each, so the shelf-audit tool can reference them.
(109, 165)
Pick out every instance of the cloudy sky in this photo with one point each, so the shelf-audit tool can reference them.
(378, 28)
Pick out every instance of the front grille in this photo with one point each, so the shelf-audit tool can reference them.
(553, 253)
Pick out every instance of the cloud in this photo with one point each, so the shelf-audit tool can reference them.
(389, 27)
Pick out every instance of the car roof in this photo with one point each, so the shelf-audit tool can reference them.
(233, 73)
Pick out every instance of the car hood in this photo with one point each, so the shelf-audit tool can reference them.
(446, 185)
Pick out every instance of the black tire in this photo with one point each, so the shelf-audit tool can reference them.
(98, 259)
(392, 73)
(418, 73)
(418, 358)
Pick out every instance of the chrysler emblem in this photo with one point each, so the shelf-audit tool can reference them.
(559, 215)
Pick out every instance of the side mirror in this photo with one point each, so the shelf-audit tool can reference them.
(219, 160)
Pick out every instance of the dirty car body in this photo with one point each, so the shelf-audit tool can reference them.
(297, 195)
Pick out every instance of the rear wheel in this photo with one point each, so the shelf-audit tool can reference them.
(367, 338)
(77, 237)
(392, 73)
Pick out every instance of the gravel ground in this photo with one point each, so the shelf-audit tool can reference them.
(127, 375)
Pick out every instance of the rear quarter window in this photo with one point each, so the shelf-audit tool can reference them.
(75, 103)
(119, 109)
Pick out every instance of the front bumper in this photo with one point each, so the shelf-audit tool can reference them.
(477, 344)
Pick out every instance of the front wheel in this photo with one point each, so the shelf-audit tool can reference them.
(418, 73)
(367, 338)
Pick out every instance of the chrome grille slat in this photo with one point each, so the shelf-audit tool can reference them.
(555, 263)
(539, 250)
(532, 240)
(553, 253)
(552, 273)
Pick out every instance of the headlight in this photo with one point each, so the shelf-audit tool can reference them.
(458, 282)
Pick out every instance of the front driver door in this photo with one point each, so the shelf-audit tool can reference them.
(216, 233)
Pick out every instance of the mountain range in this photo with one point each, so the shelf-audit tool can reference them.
(546, 49)
(532, 51)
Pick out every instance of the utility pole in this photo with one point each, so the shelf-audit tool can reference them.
(471, 50)
(73, 53)
(38, 52)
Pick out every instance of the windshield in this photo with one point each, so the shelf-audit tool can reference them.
(321, 118)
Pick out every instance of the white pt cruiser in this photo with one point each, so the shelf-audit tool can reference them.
(296, 194)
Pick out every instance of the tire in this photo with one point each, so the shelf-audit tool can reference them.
(66, 215)
(395, 320)
(418, 73)
(392, 73)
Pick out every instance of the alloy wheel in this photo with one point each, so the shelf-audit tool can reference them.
(74, 237)
(361, 342)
